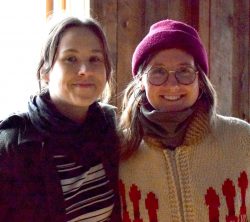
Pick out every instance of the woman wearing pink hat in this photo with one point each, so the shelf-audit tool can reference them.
(182, 161)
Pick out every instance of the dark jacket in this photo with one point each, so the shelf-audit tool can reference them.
(30, 189)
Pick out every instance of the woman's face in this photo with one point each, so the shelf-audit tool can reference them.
(171, 95)
(78, 76)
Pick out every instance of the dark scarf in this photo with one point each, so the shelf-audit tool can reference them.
(65, 135)
(168, 127)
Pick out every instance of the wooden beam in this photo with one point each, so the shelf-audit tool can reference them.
(49, 7)
(63, 5)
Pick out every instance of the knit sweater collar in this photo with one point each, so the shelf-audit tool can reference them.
(169, 127)
(196, 130)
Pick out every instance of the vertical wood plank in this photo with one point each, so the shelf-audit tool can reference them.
(185, 11)
(204, 25)
(191, 13)
(221, 52)
(176, 10)
(155, 10)
(240, 71)
(63, 4)
(130, 30)
(49, 7)
(248, 116)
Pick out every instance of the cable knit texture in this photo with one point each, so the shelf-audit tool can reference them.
(205, 179)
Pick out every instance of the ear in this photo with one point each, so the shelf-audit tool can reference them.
(142, 86)
(44, 76)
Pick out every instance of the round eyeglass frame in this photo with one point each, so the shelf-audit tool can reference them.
(167, 76)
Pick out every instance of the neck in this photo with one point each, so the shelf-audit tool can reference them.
(168, 127)
(75, 113)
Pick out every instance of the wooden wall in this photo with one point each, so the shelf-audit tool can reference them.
(223, 26)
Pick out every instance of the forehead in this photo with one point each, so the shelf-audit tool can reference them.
(79, 37)
(172, 57)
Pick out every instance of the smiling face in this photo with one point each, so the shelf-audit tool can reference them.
(78, 75)
(171, 96)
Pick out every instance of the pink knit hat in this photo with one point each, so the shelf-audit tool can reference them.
(170, 34)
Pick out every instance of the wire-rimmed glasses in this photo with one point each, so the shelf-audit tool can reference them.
(159, 75)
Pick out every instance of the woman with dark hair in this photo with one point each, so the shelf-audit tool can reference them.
(56, 161)
(182, 160)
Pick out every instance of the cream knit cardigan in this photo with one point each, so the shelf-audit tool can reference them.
(205, 179)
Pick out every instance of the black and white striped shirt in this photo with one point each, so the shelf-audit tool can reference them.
(87, 193)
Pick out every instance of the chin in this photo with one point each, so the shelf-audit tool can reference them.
(83, 103)
(171, 109)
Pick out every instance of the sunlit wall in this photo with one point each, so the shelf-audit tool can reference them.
(22, 24)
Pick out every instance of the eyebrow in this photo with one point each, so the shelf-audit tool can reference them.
(76, 51)
(180, 64)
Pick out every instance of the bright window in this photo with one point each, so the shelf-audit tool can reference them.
(21, 29)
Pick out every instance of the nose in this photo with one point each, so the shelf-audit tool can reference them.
(171, 82)
(83, 69)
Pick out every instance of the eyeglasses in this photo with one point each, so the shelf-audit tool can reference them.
(183, 75)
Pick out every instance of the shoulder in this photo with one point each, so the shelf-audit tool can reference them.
(109, 112)
(232, 125)
(9, 130)
(13, 121)
(233, 121)
(108, 109)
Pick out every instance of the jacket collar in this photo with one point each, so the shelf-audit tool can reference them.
(28, 133)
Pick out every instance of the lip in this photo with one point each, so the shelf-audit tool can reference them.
(84, 84)
(172, 97)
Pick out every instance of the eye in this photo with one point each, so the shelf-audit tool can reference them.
(185, 75)
(185, 71)
(157, 71)
(71, 59)
(95, 59)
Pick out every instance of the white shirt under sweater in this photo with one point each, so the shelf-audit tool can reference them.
(87, 194)
(207, 179)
